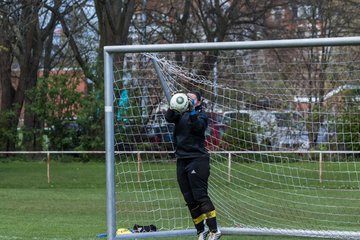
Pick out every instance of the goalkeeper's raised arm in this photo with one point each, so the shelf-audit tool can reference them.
(198, 118)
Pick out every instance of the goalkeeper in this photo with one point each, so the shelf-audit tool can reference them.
(193, 165)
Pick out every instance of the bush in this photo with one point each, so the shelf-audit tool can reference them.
(348, 131)
(69, 120)
(8, 132)
(239, 136)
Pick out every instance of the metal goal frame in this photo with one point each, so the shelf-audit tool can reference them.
(109, 51)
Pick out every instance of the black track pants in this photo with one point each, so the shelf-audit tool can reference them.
(192, 176)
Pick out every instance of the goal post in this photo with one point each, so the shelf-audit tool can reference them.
(283, 136)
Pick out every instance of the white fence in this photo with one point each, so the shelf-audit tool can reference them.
(139, 153)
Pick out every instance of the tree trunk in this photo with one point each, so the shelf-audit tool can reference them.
(6, 92)
(29, 76)
(6, 89)
(29, 53)
(114, 21)
(114, 18)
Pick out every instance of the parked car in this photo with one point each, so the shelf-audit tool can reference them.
(160, 132)
(326, 132)
(279, 130)
(291, 132)
(213, 136)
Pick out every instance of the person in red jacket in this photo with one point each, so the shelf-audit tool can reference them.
(193, 165)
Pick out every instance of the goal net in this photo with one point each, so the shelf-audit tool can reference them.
(283, 136)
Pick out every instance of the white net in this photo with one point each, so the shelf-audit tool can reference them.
(284, 136)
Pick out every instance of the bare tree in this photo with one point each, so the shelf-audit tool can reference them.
(77, 24)
(228, 21)
(6, 88)
(308, 74)
(26, 35)
(22, 22)
(170, 22)
(114, 19)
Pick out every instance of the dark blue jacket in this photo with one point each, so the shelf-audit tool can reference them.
(189, 132)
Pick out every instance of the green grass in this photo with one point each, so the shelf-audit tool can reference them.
(71, 206)
(277, 195)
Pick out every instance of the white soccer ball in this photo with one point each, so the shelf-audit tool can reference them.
(179, 102)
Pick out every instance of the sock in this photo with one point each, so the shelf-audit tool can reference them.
(198, 218)
(211, 221)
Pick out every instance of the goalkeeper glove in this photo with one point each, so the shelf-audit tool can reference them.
(192, 106)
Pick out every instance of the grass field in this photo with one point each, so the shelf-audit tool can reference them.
(72, 206)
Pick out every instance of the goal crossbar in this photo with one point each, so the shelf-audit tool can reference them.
(286, 43)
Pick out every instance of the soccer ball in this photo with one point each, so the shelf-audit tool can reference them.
(179, 102)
